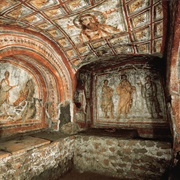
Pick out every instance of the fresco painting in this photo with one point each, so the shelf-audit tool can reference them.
(93, 25)
(43, 3)
(129, 96)
(5, 4)
(125, 26)
(137, 5)
(18, 95)
(125, 91)
(92, 29)
(54, 12)
(143, 48)
(106, 100)
(76, 5)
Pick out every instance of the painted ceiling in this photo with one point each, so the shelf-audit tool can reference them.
(86, 30)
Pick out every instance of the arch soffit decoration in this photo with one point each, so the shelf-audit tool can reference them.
(17, 42)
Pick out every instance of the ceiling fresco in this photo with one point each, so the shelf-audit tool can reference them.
(86, 30)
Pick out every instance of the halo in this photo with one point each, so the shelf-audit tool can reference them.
(99, 15)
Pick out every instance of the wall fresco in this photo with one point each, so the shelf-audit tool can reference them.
(19, 95)
(129, 96)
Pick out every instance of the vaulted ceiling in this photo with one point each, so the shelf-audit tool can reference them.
(125, 27)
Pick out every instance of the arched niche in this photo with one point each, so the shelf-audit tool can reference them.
(15, 40)
(22, 94)
(51, 77)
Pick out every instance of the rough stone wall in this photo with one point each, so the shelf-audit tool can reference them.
(124, 158)
(134, 159)
(35, 163)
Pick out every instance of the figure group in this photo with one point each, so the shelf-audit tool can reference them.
(125, 92)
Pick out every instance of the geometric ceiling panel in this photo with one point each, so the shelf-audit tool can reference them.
(143, 48)
(136, 6)
(140, 19)
(42, 4)
(143, 34)
(55, 33)
(55, 12)
(44, 25)
(158, 29)
(19, 12)
(125, 49)
(7, 4)
(36, 18)
(86, 30)
(158, 12)
(157, 45)
(77, 5)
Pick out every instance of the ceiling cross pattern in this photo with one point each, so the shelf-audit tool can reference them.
(88, 29)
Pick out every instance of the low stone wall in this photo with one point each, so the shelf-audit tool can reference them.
(123, 158)
(55, 158)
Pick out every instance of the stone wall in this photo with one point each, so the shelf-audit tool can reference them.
(123, 158)
(50, 161)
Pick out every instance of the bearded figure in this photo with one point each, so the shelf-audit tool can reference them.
(92, 29)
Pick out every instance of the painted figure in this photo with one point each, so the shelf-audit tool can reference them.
(125, 91)
(149, 92)
(26, 102)
(5, 87)
(92, 29)
(106, 100)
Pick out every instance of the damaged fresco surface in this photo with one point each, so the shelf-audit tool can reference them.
(19, 96)
(129, 96)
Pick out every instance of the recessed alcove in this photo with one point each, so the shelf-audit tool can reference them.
(123, 93)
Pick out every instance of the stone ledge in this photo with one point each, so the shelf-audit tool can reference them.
(22, 144)
(3, 154)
